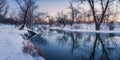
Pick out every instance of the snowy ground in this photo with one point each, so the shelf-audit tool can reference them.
(11, 44)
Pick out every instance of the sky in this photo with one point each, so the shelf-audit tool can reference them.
(53, 6)
(50, 6)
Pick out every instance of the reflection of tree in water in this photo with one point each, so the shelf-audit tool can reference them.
(109, 40)
(86, 46)
(39, 39)
(105, 47)
(74, 42)
(73, 37)
(63, 39)
(89, 46)
(98, 40)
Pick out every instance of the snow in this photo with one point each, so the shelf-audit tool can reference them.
(79, 30)
(88, 28)
(11, 44)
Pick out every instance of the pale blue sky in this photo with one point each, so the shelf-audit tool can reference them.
(50, 6)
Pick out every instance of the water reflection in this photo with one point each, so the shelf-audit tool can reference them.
(29, 48)
(29, 45)
(98, 41)
(39, 39)
(63, 39)
(61, 45)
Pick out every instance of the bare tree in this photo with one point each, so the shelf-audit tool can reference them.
(98, 18)
(41, 17)
(3, 8)
(51, 20)
(111, 16)
(62, 18)
(74, 13)
(27, 7)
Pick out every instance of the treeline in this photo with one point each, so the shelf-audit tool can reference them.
(10, 21)
(80, 11)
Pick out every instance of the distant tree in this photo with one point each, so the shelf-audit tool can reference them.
(3, 8)
(80, 14)
(41, 17)
(111, 17)
(62, 18)
(88, 15)
(85, 16)
(51, 20)
(27, 10)
(98, 17)
(74, 13)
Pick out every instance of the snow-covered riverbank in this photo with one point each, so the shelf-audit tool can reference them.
(11, 44)
(80, 30)
(87, 28)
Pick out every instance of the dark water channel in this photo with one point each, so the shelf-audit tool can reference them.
(59, 45)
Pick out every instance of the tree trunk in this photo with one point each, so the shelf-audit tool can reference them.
(71, 23)
(97, 27)
(22, 27)
(24, 23)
